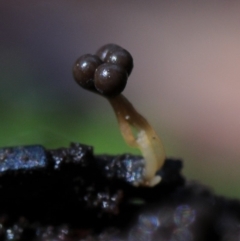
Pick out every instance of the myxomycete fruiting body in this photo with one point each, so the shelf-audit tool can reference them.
(71, 194)
(106, 73)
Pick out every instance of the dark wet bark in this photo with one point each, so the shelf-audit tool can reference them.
(71, 194)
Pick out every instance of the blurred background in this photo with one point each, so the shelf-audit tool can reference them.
(185, 80)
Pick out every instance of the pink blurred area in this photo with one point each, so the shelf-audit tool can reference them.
(186, 78)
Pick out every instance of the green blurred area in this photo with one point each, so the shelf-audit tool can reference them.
(24, 127)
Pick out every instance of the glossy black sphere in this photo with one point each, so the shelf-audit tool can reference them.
(120, 57)
(103, 51)
(110, 79)
(84, 69)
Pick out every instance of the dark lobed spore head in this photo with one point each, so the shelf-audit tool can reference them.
(114, 54)
(84, 69)
(105, 73)
(103, 51)
(110, 79)
(120, 57)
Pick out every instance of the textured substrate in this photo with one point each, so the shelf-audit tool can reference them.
(69, 194)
